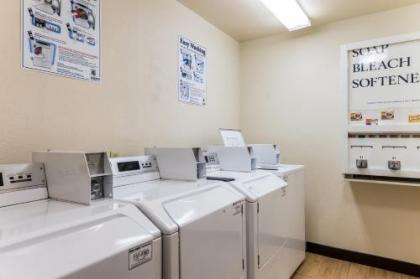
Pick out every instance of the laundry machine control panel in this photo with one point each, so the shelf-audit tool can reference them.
(22, 183)
(212, 161)
(21, 176)
(140, 164)
(133, 165)
(133, 169)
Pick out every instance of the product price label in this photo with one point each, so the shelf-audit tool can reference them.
(139, 256)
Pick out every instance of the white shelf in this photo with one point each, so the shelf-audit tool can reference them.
(383, 180)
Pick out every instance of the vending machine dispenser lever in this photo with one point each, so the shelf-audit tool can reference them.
(394, 165)
(362, 164)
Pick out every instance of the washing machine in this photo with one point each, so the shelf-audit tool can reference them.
(267, 216)
(202, 222)
(296, 241)
(267, 157)
(47, 238)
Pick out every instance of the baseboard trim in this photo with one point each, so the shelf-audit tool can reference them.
(365, 259)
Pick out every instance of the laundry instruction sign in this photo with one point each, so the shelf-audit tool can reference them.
(192, 72)
(62, 37)
(384, 83)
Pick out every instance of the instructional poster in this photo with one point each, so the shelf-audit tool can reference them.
(192, 82)
(384, 84)
(62, 37)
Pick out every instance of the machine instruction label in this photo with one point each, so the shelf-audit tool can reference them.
(139, 256)
(62, 37)
(192, 73)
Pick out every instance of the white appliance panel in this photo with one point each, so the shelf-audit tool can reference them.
(272, 225)
(217, 239)
(296, 242)
(191, 207)
(44, 235)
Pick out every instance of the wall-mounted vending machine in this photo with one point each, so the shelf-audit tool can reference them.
(383, 110)
(388, 157)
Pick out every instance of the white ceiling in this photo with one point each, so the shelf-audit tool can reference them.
(249, 19)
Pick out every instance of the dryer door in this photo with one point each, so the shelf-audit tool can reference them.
(212, 236)
(272, 225)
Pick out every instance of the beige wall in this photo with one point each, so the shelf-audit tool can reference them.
(291, 95)
(135, 104)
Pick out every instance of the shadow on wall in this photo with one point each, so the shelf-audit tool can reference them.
(391, 218)
(387, 196)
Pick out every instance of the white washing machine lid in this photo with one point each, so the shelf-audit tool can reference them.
(171, 204)
(253, 185)
(38, 238)
(283, 170)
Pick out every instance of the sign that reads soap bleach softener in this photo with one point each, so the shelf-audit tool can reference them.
(384, 80)
(192, 77)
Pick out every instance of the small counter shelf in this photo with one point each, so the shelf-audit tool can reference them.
(387, 180)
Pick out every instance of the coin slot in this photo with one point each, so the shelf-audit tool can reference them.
(97, 188)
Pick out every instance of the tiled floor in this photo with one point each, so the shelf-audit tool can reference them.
(319, 267)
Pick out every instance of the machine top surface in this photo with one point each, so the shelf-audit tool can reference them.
(37, 239)
(283, 170)
(194, 199)
(25, 221)
(255, 184)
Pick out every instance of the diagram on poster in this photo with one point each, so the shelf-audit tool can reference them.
(62, 37)
(192, 81)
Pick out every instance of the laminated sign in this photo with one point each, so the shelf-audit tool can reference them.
(62, 37)
(192, 81)
(384, 84)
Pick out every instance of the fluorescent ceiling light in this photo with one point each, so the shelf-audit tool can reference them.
(289, 12)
